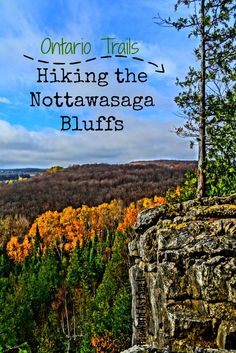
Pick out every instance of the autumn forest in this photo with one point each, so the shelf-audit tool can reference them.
(64, 254)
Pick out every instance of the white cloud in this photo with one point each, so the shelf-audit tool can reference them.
(23, 28)
(139, 140)
(22, 33)
(4, 100)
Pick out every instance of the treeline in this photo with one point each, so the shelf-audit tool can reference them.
(64, 283)
(13, 176)
(91, 185)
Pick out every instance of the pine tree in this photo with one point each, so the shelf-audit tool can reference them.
(208, 98)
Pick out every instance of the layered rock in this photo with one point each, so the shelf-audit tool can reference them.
(183, 276)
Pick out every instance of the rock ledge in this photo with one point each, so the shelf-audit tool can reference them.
(183, 277)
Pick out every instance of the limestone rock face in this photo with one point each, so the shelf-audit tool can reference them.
(183, 276)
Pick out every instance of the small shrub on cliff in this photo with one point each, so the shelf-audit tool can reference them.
(221, 181)
(184, 192)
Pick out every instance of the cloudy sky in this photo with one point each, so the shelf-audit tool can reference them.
(32, 136)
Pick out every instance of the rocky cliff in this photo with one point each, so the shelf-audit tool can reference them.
(183, 276)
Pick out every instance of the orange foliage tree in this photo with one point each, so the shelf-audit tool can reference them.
(131, 212)
(106, 344)
(65, 230)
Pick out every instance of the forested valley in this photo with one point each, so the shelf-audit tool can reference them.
(64, 284)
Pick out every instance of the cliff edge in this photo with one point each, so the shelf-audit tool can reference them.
(183, 276)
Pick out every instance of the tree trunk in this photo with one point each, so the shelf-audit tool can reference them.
(201, 188)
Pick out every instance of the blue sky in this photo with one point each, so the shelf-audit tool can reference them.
(31, 136)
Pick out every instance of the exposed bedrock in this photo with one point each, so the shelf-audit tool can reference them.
(184, 276)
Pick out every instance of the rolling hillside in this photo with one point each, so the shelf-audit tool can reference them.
(90, 184)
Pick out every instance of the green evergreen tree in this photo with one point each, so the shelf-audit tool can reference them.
(111, 310)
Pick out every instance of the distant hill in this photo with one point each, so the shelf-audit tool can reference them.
(90, 184)
(14, 174)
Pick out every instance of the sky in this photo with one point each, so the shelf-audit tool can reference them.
(32, 136)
